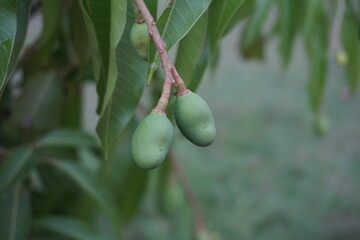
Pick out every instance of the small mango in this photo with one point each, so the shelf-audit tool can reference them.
(195, 119)
(321, 125)
(342, 58)
(151, 140)
(139, 36)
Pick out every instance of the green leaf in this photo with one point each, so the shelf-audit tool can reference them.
(289, 18)
(89, 184)
(15, 214)
(191, 48)
(255, 50)
(255, 23)
(51, 18)
(67, 138)
(313, 12)
(317, 53)
(174, 23)
(351, 44)
(105, 22)
(129, 87)
(132, 191)
(152, 5)
(69, 227)
(13, 21)
(221, 13)
(16, 166)
(200, 67)
(37, 107)
(244, 11)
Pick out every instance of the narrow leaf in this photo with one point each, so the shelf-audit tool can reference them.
(67, 138)
(152, 5)
(200, 67)
(13, 21)
(129, 87)
(69, 227)
(88, 183)
(221, 14)
(289, 18)
(254, 26)
(16, 166)
(243, 12)
(351, 44)
(174, 23)
(105, 22)
(191, 48)
(38, 105)
(317, 44)
(15, 214)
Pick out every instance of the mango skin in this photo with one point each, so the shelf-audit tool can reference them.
(139, 36)
(151, 140)
(195, 119)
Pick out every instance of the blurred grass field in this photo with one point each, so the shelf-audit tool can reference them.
(267, 176)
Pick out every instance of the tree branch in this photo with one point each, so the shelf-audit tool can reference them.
(189, 193)
(167, 65)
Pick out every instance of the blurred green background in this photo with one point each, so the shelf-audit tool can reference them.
(267, 176)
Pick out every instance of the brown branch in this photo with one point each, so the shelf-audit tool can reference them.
(165, 60)
(189, 193)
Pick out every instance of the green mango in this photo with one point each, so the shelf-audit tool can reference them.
(321, 125)
(151, 140)
(195, 119)
(139, 36)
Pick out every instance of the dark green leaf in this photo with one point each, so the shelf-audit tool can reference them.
(200, 67)
(15, 214)
(289, 17)
(152, 5)
(69, 227)
(129, 87)
(37, 107)
(105, 22)
(317, 44)
(51, 18)
(255, 50)
(133, 189)
(221, 13)
(351, 44)
(244, 11)
(254, 26)
(67, 138)
(190, 49)
(16, 166)
(313, 12)
(13, 21)
(175, 22)
(88, 183)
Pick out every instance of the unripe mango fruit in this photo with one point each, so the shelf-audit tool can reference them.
(321, 125)
(139, 36)
(151, 140)
(195, 119)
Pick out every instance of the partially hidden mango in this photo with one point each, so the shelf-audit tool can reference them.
(139, 36)
(195, 119)
(151, 140)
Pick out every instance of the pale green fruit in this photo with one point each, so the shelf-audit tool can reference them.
(139, 36)
(342, 58)
(151, 140)
(321, 125)
(194, 119)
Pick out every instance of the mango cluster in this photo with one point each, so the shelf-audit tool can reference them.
(153, 136)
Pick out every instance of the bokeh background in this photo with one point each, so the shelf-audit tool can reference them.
(268, 175)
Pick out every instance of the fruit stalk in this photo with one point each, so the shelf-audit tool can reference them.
(167, 65)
